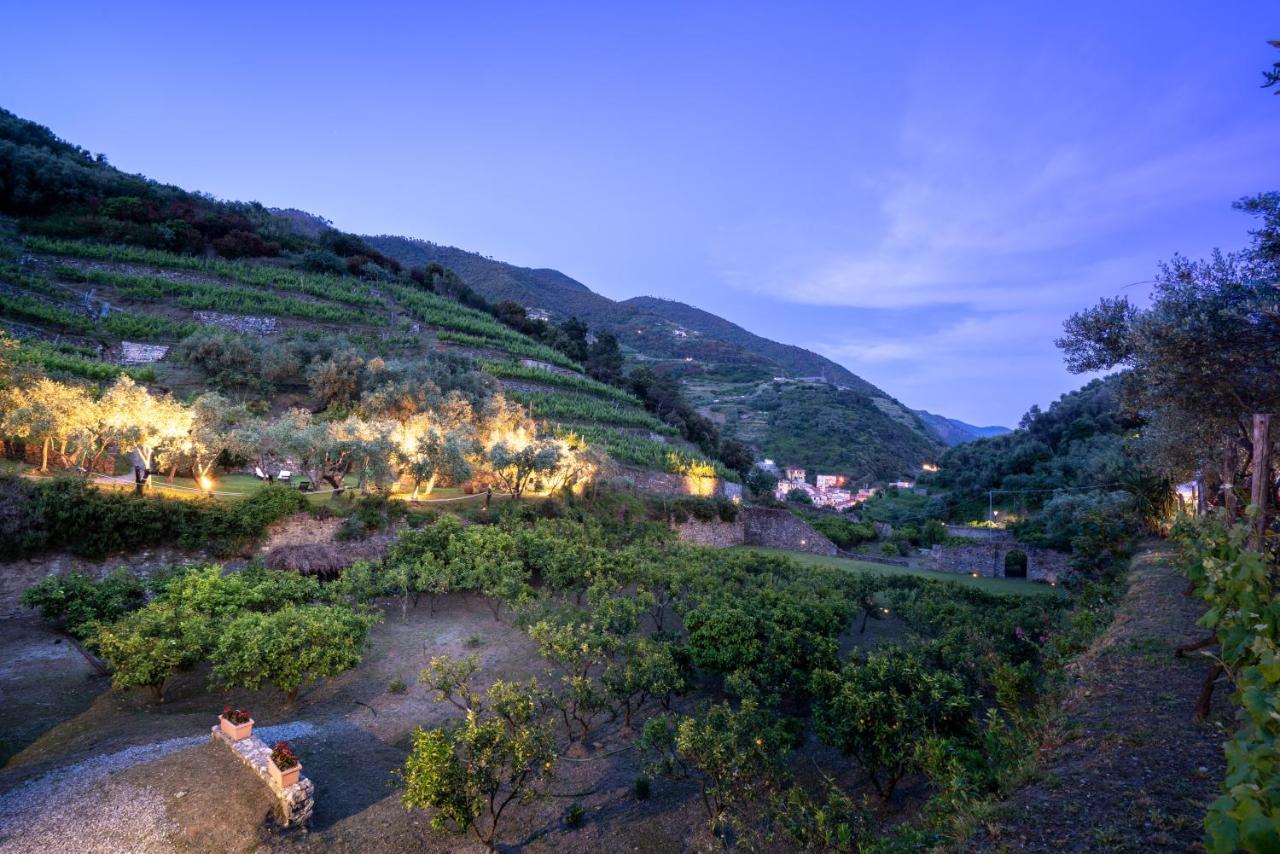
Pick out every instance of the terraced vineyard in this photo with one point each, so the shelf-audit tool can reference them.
(72, 303)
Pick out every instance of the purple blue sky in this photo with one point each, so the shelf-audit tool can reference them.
(921, 191)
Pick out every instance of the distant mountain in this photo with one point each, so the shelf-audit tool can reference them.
(953, 432)
(787, 402)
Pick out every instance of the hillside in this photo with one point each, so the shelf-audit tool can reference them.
(725, 369)
(260, 303)
(952, 431)
(104, 273)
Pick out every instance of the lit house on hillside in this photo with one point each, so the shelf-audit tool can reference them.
(829, 491)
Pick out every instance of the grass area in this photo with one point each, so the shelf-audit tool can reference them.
(576, 407)
(340, 288)
(1008, 586)
(236, 486)
(515, 370)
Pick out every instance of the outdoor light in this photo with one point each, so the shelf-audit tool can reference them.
(206, 483)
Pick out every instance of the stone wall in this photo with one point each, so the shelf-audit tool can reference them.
(245, 323)
(779, 529)
(719, 535)
(132, 353)
(296, 803)
(987, 559)
(758, 526)
(665, 483)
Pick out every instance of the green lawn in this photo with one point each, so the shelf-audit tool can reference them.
(987, 585)
(236, 486)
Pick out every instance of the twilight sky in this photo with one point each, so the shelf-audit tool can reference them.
(920, 191)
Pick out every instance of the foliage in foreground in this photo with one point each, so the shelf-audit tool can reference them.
(1239, 586)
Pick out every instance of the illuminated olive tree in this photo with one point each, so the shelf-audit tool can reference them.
(428, 446)
(213, 424)
(517, 468)
(140, 422)
(46, 412)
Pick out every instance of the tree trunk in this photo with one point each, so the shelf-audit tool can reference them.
(291, 695)
(1205, 701)
(1261, 493)
(44, 454)
(157, 691)
(1180, 651)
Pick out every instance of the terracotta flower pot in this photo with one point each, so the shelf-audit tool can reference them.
(235, 732)
(286, 778)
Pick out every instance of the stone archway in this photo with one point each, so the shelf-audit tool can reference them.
(1015, 564)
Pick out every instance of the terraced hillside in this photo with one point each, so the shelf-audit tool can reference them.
(847, 423)
(85, 309)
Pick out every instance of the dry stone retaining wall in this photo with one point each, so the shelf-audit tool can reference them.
(987, 559)
(780, 529)
(719, 535)
(297, 802)
(238, 322)
(758, 526)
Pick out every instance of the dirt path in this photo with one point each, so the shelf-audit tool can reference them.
(1133, 771)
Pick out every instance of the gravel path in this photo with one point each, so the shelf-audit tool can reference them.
(89, 807)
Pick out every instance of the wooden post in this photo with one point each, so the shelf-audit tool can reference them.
(1228, 482)
(1262, 484)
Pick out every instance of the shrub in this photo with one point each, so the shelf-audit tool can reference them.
(22, 524)
(397, 686)
(641, 788)
(574, 815)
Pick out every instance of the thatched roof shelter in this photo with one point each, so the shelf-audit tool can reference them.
(321, 559)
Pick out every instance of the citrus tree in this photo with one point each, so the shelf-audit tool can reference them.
(291, 647)
(734, 756)
(879, 709)
(468, 773)
(147, 646)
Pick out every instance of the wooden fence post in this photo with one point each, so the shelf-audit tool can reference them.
(1262, 483)
(1229, 502)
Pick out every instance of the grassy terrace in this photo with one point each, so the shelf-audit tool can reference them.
(576, 407)
(516, 371)
(198, 295)
(336, 288)
(1008, 586)
(71, 361)
(472, 328)
(645, 452)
